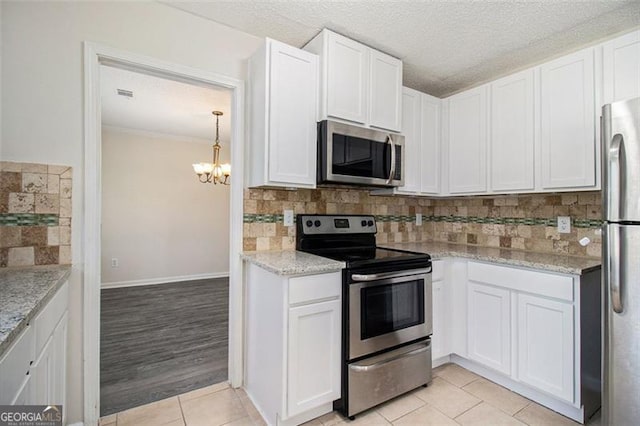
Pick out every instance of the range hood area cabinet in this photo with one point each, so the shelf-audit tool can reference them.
(283, 99)
(421, 118)
(358, 84)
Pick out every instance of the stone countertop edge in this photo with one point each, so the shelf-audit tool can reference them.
(292, 262)
(41, 299)
(558, 263)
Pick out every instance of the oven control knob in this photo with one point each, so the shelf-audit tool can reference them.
(370, 223)
(309, 223)
(363, 223)
(316, 223)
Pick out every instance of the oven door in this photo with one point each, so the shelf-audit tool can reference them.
(356, 155)
(387, 312)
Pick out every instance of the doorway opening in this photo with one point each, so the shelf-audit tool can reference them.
(164, 241)
(95, 56)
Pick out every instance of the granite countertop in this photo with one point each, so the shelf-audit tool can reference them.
(544, 261)
(23, 292)
(291, 262)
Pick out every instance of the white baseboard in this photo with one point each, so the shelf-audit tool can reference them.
(164, 280)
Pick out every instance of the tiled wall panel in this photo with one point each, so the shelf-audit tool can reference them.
(35, 214)
(526, 222)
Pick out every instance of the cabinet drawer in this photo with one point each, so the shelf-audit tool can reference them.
(540, 283)
(51, 314)
(14, 366)
(315, 287)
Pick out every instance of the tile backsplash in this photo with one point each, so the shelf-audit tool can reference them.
(35, 214)
(526, 222)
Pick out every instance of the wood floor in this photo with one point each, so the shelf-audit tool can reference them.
(161, 340)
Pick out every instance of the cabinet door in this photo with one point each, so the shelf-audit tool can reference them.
(621, 68)
(313, 356)
(489, 328)
(567, 132)
(292, 115)
(430, 136)
(468, 141)
(347, 78)
(512, 133)
(385, 88)
(545, 345)
(412, 145)
(439, 338)
(60, 363)
(42, 375)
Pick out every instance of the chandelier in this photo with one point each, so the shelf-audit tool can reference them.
(214, 172)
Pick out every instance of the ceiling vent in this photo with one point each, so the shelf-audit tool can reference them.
(125, 93)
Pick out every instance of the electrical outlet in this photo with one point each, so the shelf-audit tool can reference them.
(418, 219)
(114, 262)
(564, 224)
(288, 218)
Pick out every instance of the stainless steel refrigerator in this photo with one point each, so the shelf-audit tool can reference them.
(621, 262)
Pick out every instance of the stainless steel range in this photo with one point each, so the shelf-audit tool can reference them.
(387, 309)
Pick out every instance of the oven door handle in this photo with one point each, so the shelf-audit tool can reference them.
(376, 277)
(380, 364)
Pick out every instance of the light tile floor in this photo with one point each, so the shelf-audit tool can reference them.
(455, 397)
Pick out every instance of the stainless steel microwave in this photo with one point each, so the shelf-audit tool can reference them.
(354, 155)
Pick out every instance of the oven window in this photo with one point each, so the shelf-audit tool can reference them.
(391, 307)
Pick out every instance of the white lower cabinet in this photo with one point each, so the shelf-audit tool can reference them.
(440, 337)
(534, 332)
(314, 355)
(545, 345)
(489, 326)
(293, 344)
(33, 369)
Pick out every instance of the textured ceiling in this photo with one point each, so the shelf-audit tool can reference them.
(446, 46)
(163, 106)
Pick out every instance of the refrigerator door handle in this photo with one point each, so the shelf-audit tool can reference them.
(616, 170)
(612, 266)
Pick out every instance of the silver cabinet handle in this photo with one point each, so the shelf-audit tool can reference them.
(376, 277)
(381, 364)
(612, 266)
(392, 169)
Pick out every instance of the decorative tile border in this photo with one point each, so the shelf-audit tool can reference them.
(29, 219)
(578, 223)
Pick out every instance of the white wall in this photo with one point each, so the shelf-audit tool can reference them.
(42, 94)
(157, 219)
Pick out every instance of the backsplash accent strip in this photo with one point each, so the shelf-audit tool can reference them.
(578, 223)
(29, 219)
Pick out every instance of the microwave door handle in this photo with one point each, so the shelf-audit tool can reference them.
(392, 169)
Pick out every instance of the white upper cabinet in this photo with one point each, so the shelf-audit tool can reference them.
(411, 124)
(386, 91)
(567, 128)
(467, 141)
(347, 70)
(512, 133)
(430, 135)
(358, 84)
(283, 101)
(621, 68)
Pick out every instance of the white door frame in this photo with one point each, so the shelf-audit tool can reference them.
(94, 56)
